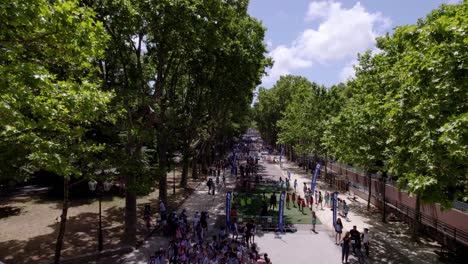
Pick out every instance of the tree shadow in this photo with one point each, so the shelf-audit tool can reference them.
(7, 211)
(391, 241)
(81, 236)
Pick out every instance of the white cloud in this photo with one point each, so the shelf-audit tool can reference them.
(341, 34)
(348, 71)
(285, 61)
(454, 2)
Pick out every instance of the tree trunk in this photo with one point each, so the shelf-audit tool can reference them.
(369, 186)
(291, 154)
(416, 220)
(185, 168)
(204, 160)
(130, 212)
(63, 222)
(194, 169)
(162, 149)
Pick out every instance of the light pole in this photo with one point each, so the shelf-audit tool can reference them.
(176, 160)
(99, 188)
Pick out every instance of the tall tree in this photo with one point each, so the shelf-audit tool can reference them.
(429, 76)
(49, 95)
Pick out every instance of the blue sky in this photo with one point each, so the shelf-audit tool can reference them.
(320, 39)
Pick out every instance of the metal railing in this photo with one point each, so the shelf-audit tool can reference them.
(447, 231)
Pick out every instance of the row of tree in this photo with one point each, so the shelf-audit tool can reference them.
(404, 112)
(92, 85)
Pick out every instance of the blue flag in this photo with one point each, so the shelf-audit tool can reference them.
(228, 210)
(314, 178)
(335, 207)
(234, 163)
(280, 212)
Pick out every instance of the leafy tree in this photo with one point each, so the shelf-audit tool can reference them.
(49, 96)
(426, 110)
(272, 103)
(357, 134)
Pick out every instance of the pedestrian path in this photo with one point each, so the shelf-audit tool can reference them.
(389, 242)
(199, 201)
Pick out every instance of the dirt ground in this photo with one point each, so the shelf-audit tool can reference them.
(29, 224)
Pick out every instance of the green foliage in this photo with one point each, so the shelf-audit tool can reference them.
(426, 108)
(49, 95)
(404, 112)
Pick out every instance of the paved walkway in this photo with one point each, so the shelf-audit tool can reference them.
(198, 201)
(390, 242)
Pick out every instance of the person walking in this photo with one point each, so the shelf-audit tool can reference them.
(295, 185)
(338, 230)
(355, 239)
(288, 199)
(345, 248)
(305, 189)
(365, 240)
(213, 187)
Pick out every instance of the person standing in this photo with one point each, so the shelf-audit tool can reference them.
(213, 187)
(204, 221)
(288, 199)
(208, 183)
(295, 185)
(196, 220)
(293, 198)
(299, 202)
(345, 248)
(320, 200)
(273, 201)
(338, 230)
(327, 199)
(162, 211)
(314, 221)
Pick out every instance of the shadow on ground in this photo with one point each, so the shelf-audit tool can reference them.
(7, 211)
(81, 232)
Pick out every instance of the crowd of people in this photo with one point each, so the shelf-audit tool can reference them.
(235, 244)
(189, 243)
(352, 239)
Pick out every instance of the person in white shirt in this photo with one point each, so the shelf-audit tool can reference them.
(365, 240)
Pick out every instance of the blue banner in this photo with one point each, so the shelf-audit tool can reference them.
(280, 212)
(234, 163)
(335, 206)
(228, 210)
(314, 178)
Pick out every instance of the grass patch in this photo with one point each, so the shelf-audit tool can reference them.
(292, 215)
